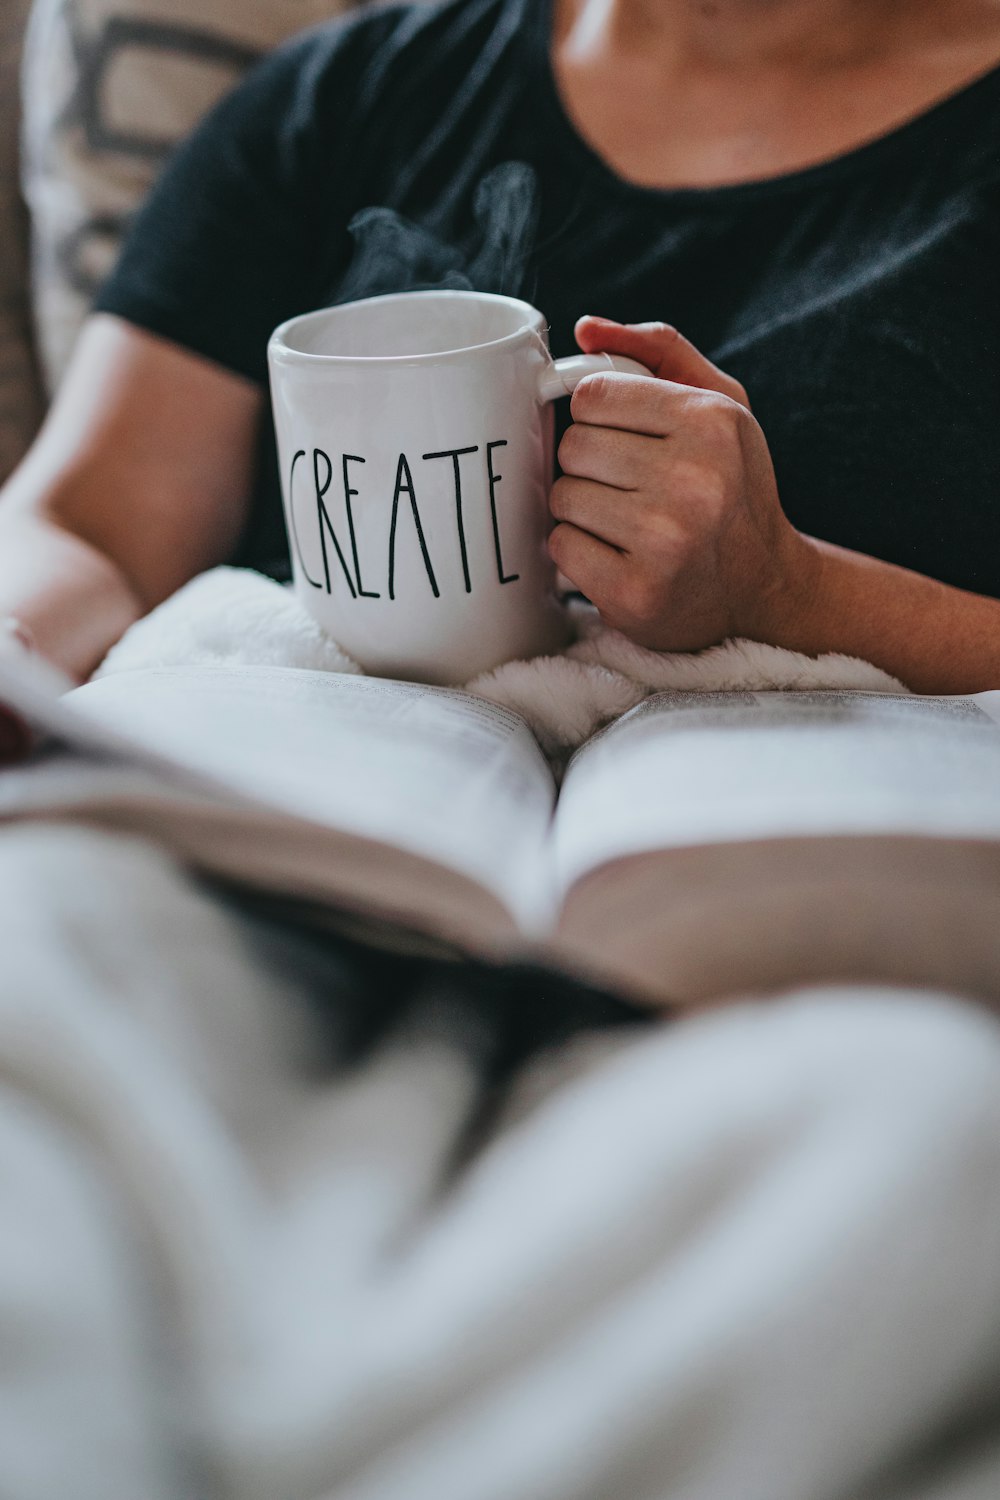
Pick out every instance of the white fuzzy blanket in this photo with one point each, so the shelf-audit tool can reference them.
(233, 615)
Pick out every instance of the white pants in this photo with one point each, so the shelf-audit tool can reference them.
(754, 1255)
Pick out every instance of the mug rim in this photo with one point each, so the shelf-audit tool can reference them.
(279, 348)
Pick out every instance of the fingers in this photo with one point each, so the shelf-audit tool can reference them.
(655, 479)
(648, 408)
(708, 436)
(608, 455)
(591, 565)
(634, 403)
(668, 354)
(595, 508)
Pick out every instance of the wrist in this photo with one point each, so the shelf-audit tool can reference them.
(71, 600)
(783, 608)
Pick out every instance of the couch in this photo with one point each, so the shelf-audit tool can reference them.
(94, 94)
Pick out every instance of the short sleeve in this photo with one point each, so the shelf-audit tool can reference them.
(225, 247)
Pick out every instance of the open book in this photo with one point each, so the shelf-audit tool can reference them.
(702, 844)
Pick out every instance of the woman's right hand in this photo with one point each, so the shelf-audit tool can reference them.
(15, 734)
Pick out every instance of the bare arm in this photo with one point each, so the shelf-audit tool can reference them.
(139, 479)
(933, 637)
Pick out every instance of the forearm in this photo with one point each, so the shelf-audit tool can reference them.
(73, 599)
(934, 638)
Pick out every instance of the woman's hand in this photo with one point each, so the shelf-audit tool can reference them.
(668, 519)
(667, 510)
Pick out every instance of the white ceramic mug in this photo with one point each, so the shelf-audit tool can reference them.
(415, 443)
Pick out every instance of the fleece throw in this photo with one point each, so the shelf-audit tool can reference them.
(234, 615)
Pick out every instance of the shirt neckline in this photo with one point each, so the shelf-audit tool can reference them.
(854, 161)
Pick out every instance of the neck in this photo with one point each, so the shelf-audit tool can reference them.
(743, 33)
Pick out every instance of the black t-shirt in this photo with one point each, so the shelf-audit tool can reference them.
(856, 300)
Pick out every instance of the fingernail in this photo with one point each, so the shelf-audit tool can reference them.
(604, 322)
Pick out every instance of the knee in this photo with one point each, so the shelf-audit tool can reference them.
(76, 1375)
(920, 1070)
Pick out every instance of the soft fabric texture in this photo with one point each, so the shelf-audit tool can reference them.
(235, 615)
(856, 301)
(109, 88)
(754, 1254)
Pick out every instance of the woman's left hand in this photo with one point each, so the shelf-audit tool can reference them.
(667, 510)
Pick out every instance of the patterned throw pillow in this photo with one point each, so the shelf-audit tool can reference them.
(109, 87)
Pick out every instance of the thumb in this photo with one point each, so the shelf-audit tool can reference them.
(668, 354)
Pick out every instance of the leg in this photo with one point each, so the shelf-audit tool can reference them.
(755, 1256)
(150, 1038)
(78, 1370)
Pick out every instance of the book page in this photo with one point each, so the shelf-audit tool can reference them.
(435, 772)
(686, 769)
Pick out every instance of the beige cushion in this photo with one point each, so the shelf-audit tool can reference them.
(109, 86)
(20, 392)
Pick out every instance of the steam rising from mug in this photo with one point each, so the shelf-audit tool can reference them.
(415, 436)
(392, 254)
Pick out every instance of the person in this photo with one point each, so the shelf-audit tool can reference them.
(806, 189)
(788, 211)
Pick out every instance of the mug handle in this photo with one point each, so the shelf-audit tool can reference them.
(561, 377)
